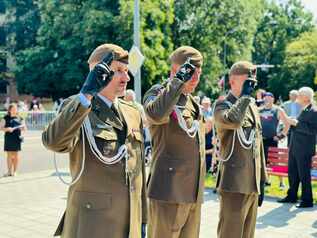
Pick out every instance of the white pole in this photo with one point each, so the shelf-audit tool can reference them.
(136, 42)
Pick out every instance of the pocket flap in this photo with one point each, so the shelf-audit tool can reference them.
(105, 134)
(92, 201)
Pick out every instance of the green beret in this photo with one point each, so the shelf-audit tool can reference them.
(243, 67)
(119, 53)
(181, 54)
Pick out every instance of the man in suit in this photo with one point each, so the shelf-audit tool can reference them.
(103, 136)
(301, 150)
(176, 181)
(241, 174)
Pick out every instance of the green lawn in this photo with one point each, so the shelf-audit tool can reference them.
(273, 190)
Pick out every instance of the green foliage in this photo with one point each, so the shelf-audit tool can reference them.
(156, 42)
(280, 25)
(69, 32)
(301, 61)
(220, 30)
(22, 23)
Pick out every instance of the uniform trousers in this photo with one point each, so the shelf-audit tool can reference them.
(173, 220)
(237, 216)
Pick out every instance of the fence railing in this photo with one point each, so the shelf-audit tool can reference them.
(35, 120)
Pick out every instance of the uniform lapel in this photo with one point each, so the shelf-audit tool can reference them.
(105, 114)
(253, 115)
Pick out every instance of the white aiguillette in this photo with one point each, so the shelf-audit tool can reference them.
(136, 60)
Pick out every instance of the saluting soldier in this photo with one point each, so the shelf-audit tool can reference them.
(103, 136)
(241, 174)
(176, 180)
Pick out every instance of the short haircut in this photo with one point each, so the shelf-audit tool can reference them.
(308, 92)
(131, 93)
(293, 92)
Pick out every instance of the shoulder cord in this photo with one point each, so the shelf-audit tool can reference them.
(86, 128)
(191, 132)
(245, 143)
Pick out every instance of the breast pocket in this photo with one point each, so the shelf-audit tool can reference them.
(106, 141)
(93, 208)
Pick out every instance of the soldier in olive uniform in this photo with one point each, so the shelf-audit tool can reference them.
(103, 136)
(176, 180)
(242, 173)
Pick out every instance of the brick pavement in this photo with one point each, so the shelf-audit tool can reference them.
(31, 205)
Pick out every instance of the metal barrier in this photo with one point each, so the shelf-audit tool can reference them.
(35, 120)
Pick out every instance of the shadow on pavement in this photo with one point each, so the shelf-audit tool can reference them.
(279, 217)
(314, 226)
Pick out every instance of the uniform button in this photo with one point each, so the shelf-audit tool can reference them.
(88, 205)
(170, 169)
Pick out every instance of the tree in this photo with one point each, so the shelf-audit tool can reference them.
(71, 29)
(300, 64)
(156, 36)
(280, 25)
(220, 30)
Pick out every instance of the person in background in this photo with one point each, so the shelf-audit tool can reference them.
(12, 125)
(271, 115)
(302, 148)
(206, 107)
(209, 145)
(292, 109)
(34, 101)
(259, 97)
(197, 99)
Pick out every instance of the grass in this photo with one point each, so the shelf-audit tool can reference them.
(272, 191)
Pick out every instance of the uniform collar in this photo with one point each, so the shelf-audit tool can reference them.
(103, 111)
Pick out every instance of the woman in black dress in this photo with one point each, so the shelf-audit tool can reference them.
(12, 125)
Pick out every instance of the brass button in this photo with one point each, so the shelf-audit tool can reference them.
(88, 205)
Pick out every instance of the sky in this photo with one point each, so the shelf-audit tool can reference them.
(312, 6)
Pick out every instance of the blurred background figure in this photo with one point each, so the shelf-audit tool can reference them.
(259, 97)
(271, 116)
(12, 125)
(197, 99)
(206, 107)
(209, 145)
(291, 107)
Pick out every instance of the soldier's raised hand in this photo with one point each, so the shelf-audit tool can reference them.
(248, 87)
(99, 76)
(186, 71)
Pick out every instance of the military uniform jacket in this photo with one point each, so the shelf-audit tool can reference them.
(178, 167)
(245, 169)
(101, 204)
